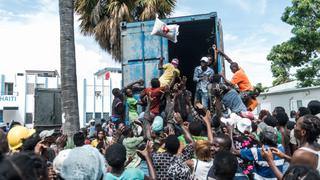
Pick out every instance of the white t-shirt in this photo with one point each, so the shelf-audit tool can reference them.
(201, 169)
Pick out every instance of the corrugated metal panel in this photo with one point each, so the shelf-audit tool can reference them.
(141, 50)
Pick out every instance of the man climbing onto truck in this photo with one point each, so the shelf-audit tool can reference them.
(171, 71)
(241, 80)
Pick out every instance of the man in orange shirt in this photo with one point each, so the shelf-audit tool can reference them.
(242, 81)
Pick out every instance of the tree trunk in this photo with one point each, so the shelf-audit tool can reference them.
(68, 69)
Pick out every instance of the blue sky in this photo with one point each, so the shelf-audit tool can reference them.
(29, 33)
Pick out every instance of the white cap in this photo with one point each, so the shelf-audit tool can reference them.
(46, 133)
(205, 59)
(244, 125)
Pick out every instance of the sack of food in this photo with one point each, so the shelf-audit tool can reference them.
(170, 32)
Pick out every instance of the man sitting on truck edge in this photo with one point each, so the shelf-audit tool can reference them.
(202, 75)
(242, 81)
(171, 71)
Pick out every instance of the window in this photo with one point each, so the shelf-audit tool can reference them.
(30, 88)
(40, 85)
(299, 103)
(106, 115)
(29, 118)
(8, 89)
(88, 116)
(98, 115)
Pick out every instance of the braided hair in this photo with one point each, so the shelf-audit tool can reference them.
(301, 172)
(311, 124)
(23, 166)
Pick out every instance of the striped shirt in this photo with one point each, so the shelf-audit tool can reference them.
(262, 169)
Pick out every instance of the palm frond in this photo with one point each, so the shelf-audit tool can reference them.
(102, 18)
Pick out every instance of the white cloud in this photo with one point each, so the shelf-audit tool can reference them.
(182, 11)
(229, 37)
(282, 31)
(257, 6)
(33, 43)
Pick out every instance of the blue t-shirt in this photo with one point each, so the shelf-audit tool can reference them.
(130, 173)
(261, 165)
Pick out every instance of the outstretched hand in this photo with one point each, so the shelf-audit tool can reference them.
(207, 117)
(62, 141)
(40, 147)
(147, 150)
(266, 153)
(277, 152)
(178, 118)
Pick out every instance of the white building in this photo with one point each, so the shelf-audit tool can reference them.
(288, 96)
(97, 94)
(17, 93)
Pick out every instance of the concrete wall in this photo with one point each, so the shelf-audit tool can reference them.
(24, 102)
(290, 100)
(98, 104)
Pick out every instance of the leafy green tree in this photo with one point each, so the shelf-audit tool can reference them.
(298, 58)
(102, 18)
(260, 88)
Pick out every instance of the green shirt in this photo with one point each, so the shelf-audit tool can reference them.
(195, 138)
(132, 104)
(130, 173)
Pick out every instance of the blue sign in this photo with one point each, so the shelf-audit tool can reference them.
(8, 98)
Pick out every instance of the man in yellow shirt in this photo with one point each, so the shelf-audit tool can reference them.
(171, 71)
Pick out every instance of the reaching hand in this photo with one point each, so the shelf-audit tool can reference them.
(277, 152)
(52, 175)
(141, 81)
(207, 117)
(178, 118)
(146, 152)
(214, 47)
(266, 154)
(40, 147)
(62, 141)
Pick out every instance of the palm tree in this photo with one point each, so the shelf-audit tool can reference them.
(101, 18)
(68, 69)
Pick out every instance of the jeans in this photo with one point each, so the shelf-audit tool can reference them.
(233, 101)
(202, 97)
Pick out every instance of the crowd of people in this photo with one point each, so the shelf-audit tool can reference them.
(159, 132)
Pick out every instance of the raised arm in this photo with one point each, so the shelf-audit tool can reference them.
(226, 81)
(206, 120)
(267, 155)
(185, 130)
(147, 155)
(160, 64)
(130, 85)
(217, 51)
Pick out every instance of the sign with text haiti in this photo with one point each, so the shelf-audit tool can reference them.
(8, 98)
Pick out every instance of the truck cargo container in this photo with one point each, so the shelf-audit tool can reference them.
(140, 51)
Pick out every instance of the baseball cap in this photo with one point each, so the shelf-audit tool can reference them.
(175, 61)
(244, 125)
(231, 120)
(247, 114)
(157, 124)
(46, 133)
(270, 133)
(205, 59)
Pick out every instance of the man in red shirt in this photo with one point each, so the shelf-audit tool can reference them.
(154, 93)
